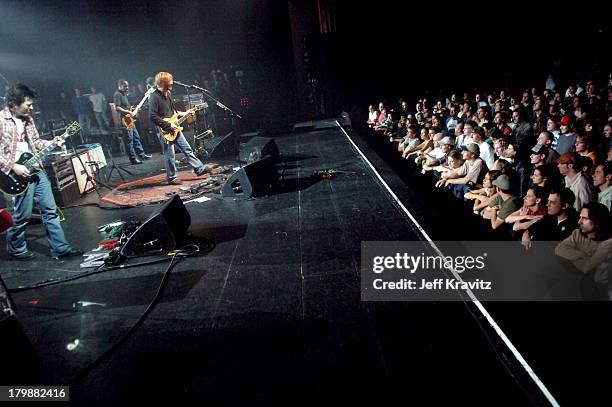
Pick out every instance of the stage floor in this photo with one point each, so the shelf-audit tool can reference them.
(274, 313)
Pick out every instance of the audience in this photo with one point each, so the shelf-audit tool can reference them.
(528, 179)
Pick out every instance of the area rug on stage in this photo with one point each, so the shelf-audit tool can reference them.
(155, 189)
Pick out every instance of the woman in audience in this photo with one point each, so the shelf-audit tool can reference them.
(426, 144)
(583, 147)
(534, 208)
(482, 197)
(372, 116)
(548, 177)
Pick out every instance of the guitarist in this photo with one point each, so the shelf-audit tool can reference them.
(160, 107)
(122, 106)
(18, 135)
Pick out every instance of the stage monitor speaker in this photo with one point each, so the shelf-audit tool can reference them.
(253, 179)
(245, 137)
(165, 230)
(257, 148)
(227, 147)
(19, 361)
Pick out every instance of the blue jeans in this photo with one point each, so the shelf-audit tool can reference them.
(134, 144)
(183, 145)
(39, 191)
(459, 190)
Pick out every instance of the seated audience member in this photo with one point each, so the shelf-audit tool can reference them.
(398, 132)
(539, 156)
(585, 165)
(372, 116)
(534, 209)
(454, 161)
(501, 129)
(382, 113)
(575, 180)
(426, 144)
(411, 140)
(584, 148)
(567, 138)
(522, 134)
(388, 123)
(499, 147)
(602, 181)
(558, 223)
(547, 176)
(482, 197)
(552, 127)
(589, 245)
(486, 151)
(434, 153)
(452, 120)
(470, 175)
(466, 137)
(518, 166)
(503, 204)
(446, 144)
(503, 166)
(482, 116)
(546, 138)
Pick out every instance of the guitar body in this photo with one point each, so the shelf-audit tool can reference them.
(12, 184)
(172, 134)
(128, 122)
(176, 120)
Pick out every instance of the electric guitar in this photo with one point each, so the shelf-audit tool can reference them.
(13, 184)
(129, 120)
(172, 134)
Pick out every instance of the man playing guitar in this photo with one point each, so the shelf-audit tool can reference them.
(18, 135)
(161, 107)
(122, 106)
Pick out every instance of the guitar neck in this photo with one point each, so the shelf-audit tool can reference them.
(145, 97)
(39, 156)
(182, 119)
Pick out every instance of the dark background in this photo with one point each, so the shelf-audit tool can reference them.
(382, 49)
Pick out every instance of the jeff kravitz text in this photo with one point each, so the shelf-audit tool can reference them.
(405, 265)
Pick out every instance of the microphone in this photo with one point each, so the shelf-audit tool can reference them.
(150, 82)
(183, 84)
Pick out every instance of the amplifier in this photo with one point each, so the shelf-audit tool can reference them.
(67, 195)
(82, 168)
(60, 172)
(96, 154)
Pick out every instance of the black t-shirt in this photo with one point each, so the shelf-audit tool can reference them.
(120, 99)
(161, 107)
(548, 229)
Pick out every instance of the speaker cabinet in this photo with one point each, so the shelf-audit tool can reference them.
(253, 179)
(257, 148)
(227, 147)
(165, 230)
(20, 364)
(67, 194)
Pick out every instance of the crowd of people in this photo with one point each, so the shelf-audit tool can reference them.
(533, 165)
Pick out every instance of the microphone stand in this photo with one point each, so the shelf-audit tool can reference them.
(217, 102)
(209, 95)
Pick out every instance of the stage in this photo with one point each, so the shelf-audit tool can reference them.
(273, 312)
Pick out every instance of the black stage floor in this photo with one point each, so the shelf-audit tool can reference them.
(273, 313)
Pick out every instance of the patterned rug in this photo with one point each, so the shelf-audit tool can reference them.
(156, 189)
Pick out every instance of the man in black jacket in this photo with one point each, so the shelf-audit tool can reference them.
(161, 107)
